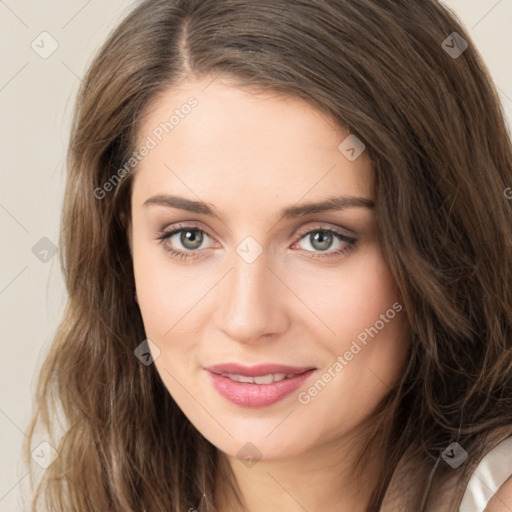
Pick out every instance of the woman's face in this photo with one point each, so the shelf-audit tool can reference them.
(260, 276)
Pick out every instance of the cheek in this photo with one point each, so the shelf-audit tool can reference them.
(170, 301)
(163, 302)
(351, 298)
(150, 283)
(367, 329)
(366, 355)
(161, 291)
(158, 302)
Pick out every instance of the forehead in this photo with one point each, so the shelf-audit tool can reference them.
(214, 140)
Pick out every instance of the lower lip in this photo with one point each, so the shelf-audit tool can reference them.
(246, 394)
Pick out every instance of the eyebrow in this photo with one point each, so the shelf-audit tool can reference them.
(330, 204)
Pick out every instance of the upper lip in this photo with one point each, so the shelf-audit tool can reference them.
(258, 370)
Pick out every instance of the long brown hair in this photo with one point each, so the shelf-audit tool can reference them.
(434, 130)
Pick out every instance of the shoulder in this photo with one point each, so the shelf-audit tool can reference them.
(490, 486)
(502, 500)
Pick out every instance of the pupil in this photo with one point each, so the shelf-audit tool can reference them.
(191, 237)
(323, 238)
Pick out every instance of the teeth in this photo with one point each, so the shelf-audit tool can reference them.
(266, 379)
(243, 378)
(262, 379)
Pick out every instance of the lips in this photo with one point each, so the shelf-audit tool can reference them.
(257, 386)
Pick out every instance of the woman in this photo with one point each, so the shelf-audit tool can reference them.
(288, 254)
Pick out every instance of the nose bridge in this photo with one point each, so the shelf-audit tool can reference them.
(251, 306)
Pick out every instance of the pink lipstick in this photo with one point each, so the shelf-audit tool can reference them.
(257, 386)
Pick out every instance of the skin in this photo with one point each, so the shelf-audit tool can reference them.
(250, 155)
(502, 500)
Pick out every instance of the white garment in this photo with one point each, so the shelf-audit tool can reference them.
(492, 472)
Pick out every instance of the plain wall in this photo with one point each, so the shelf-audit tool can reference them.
(36, 99)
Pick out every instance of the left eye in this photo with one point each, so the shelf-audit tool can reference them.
(321, 239)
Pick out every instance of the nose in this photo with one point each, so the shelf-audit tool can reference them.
(253, 302)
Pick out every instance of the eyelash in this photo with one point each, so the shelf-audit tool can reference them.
(185, 255)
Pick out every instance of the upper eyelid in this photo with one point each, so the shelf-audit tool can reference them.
(171, 231)
(327, 227)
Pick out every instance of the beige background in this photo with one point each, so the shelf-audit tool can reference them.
(36, 98)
